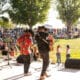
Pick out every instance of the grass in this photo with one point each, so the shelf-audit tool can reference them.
(74, 45)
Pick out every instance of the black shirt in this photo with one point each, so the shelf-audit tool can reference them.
(42, 45)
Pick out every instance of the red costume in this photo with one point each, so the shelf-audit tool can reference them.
(24, 43)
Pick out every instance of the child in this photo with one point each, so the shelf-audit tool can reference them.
(58, 54)
(67, 52)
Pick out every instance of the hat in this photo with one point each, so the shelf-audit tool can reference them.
(41, 27)
(30, 31)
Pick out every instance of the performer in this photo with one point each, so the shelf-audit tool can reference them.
(25, 42)
(43, 48)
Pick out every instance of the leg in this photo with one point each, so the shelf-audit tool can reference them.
(58, 58)
(45, 57)
(26, 63)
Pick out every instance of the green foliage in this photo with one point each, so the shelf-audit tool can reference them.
(29, 11)
(5, 24)
(69, 10)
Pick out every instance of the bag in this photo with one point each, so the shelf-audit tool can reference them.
(4, 52)
(20, 59)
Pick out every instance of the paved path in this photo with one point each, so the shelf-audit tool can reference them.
(13, 71)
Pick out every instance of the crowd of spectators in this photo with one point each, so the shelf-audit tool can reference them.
(9, 37)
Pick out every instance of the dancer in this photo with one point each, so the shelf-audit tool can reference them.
(25, 42)
(43, 47)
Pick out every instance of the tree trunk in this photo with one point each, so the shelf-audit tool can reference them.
(69, 30)
(30, 26)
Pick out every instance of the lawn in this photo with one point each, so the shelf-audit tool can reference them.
(74, 45)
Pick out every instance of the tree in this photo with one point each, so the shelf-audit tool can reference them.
(5, 23)
(69, 11)
(29, 12)
(4, 20)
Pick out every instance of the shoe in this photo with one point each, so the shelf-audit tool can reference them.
(42, 78)
(47, 75)
(27, 74)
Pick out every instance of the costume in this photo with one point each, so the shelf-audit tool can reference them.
(24, 43)
(43, 47)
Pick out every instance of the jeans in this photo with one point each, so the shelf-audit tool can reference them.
(26, 63)
(58, 58)
(45, 57)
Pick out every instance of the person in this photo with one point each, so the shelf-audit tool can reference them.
(51, 42)
(5, 51)
(43, 48)
(67, 52)
(25, 42)
(12, 52)
(58, 54)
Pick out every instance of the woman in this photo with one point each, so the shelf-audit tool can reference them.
(24, 43)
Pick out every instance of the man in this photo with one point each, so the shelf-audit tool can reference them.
(43, 47)
(25, 42)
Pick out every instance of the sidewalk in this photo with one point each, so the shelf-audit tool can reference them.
(57, 73)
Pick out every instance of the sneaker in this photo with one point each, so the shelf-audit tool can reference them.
(42, 78)
(47, 75)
